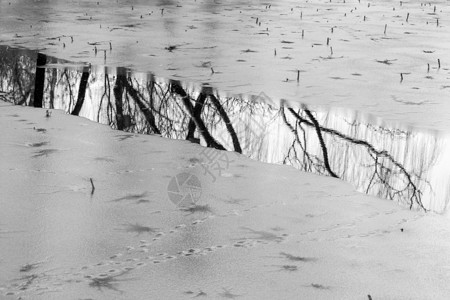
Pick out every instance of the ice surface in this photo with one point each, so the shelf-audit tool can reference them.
(90, 213)
(231, 45)
(260, 231)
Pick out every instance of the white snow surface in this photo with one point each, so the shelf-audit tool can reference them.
(259, 231)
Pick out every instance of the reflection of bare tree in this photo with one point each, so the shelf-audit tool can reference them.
(384, 164)
(198, 108)
(155, 105)
(322, 143)
(210, 141)
(223, 114)
(17, 75)
(81, 92)
(306, 161)
(39, 80)
(118, 92)
(122, 80)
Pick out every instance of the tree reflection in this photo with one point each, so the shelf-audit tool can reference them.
(379, 160)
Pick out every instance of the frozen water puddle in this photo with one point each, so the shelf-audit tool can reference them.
(392, 161)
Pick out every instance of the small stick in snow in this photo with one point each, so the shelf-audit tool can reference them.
(110, 46)
(407, 17)
(275, 52)
(298, 75)
(328, 41)
(385, 27)
(93, 187)
(331, 50)
(401, 77)
(428, 70)
(303, 33)
(212, 70)
(439, 63)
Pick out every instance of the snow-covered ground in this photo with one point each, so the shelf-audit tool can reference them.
(259, 231)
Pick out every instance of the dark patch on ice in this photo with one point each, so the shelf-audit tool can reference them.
(291, 257)
(44, 152)
(197, 209)
(410, 102)
(40, 129)
(28, 267)
(330, 57)
(386, 61)
(248, 51)
(286, 42)
(194, 160)
(290, 268)
(142, 201)
(104, 159)
(29, 279)
(199, 294)
(320, 286)
(131, 197)
(131, 25)
(356, 74)
(125, 136)
(139, 229)
(36, 145)
(107, 281)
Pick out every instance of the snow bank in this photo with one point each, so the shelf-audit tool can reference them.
(255, 231)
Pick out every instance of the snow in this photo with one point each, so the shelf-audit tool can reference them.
(88, 212)
(259, 231)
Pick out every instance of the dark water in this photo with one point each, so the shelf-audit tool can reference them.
(390, 161)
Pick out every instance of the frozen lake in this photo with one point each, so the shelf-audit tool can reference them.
(389, 160)
(350, 54)
(356, 90)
